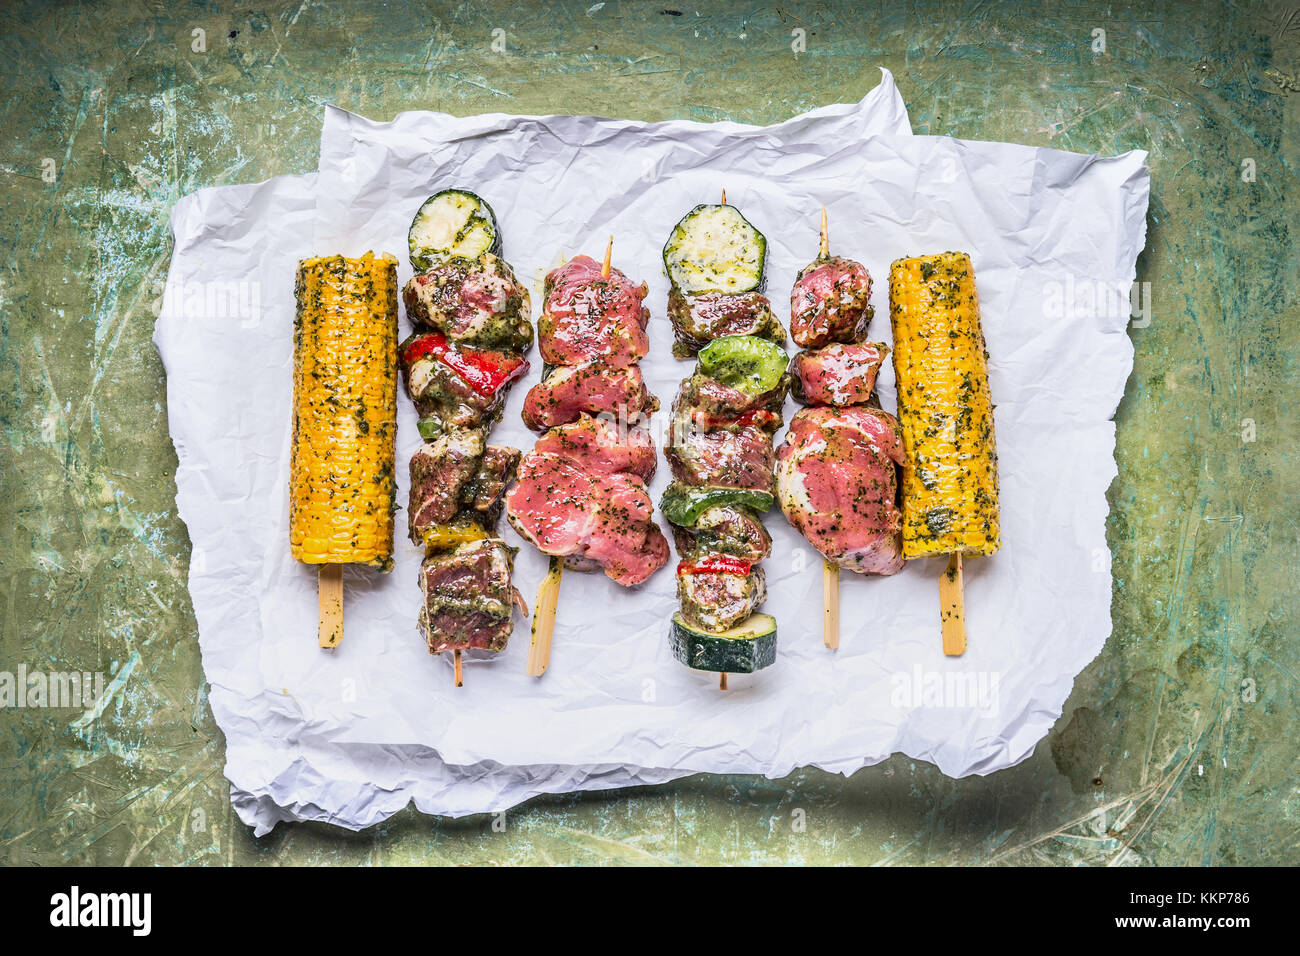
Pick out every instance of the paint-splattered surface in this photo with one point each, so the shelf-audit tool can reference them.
(1180, 742)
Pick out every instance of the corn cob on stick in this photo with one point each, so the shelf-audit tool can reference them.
(341, 484)
(950, 481)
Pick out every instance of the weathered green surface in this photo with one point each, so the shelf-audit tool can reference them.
(1180, 742)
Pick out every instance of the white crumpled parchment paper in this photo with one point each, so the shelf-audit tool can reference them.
(353, 735)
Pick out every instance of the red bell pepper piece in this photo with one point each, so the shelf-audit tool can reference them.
(716, 564)
(483, 370)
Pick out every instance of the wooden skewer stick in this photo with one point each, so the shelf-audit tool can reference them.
(548, 594)
(460, 677)
(952, 608)
(830, 570)
(724, 197)
(722, 681)
(831, 604)
(609, 251)
(329, 594)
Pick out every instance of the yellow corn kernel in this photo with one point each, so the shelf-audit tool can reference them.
(341, 478)
(950, 480)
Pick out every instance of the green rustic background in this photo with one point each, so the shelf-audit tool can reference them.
(1179, 744)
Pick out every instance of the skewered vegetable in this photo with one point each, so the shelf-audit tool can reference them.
(950, 482)
(754, 366)
(715, 249)
(720, 439)
(341, 483)
(452, 223)
(683, 504)
(742, 649)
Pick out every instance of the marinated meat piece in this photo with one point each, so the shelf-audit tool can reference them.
(569, 391)
(717, 601)
(468, 598)
(474, 302)
(737, 456)
(602, 447)
(838, 374)
(707, 403)
(561, 510)
(837, 481)
(699, 319)
(485, 492)
(720, 436)
(725, 530)
(589, 317)
(830, 302)
(439, 470)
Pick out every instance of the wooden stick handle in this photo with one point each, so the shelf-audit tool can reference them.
(952, 608)
(722, 681)
(548, 595)
(724, 197)
(329, 593)
(831, 604)
(460, 676)
(609, 252)
(824, 247)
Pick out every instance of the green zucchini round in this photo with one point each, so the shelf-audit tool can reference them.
(715, 249)
(743, 649)
(453, 223)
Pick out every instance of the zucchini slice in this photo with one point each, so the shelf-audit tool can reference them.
(743, 649)
(746, 362)
(452, 223)
(715, 249)
(683, 504)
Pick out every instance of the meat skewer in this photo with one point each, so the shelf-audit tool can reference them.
(472, 329)
(344, 423)
(836, 471)
(582, 496)
(950, 479)
(720, 442)
(548, 592)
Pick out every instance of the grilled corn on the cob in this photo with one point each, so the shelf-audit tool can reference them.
(341, 482)
(950, 480)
